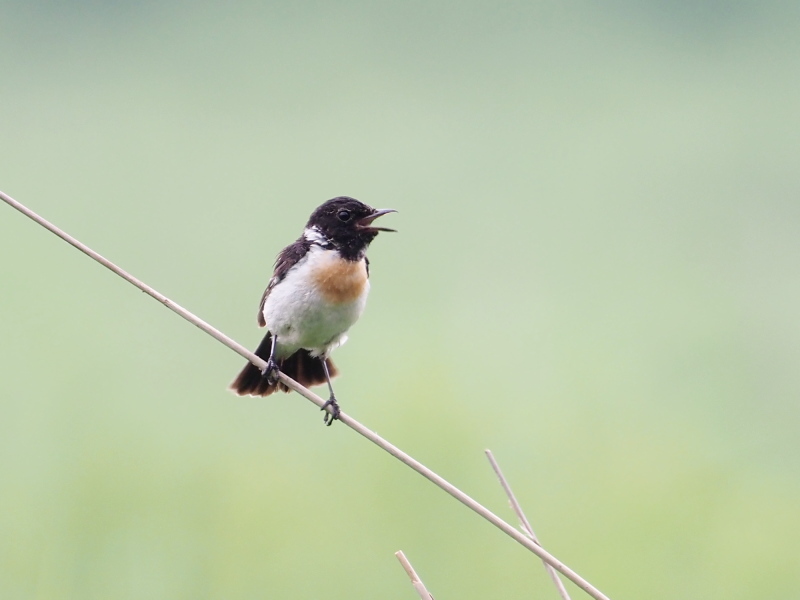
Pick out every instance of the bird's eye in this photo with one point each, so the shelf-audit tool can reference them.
(344, 215)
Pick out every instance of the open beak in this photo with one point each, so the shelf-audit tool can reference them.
(365, 224)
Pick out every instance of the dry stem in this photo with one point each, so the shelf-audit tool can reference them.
(344, 418)
(512, 499)
(423, 592)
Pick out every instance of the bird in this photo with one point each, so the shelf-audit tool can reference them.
(317, 292)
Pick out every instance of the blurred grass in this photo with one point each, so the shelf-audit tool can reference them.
(595, 276)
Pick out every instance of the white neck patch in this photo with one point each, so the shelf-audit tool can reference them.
(315, 236)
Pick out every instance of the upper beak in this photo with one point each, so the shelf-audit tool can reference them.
(366, 222)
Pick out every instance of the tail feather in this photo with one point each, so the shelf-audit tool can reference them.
(305, 369)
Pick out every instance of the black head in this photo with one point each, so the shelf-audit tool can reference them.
(346, 224)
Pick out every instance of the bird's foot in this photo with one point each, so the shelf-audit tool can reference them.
(333, 415)
(270, 372)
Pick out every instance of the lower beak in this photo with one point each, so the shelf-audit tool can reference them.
(366, 222)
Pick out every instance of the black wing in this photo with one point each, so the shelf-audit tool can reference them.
(287, 258)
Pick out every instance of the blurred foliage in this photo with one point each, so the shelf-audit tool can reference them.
(595, 275)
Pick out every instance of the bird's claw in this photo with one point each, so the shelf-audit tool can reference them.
(333, 415)
(270, 372)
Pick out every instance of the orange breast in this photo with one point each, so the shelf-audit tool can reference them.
(341, 281)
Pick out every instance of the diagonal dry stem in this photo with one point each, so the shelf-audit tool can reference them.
(512, 500)
(423, 592)
(308, 394)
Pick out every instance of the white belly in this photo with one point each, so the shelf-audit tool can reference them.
(302, 316)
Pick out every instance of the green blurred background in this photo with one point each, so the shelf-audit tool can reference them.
(595, 275)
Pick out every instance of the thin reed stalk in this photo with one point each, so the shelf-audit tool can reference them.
(347, 420)
(526, 526)
(419, 587)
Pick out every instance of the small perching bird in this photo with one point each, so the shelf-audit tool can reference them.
(317, 292)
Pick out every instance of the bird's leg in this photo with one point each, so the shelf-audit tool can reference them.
(270, 372)
(331, 416)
